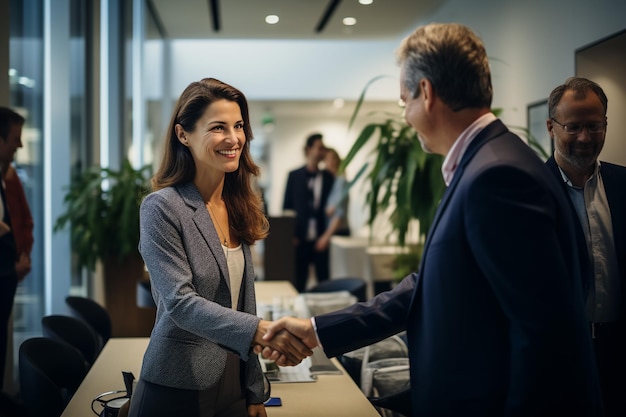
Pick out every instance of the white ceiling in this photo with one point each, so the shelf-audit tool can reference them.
(299, 19)
(378, 23)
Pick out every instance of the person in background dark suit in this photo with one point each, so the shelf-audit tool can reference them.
(306, 194)
(495, 315)
(597, 190)
(10, 140)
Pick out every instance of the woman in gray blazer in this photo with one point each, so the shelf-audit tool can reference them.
(196, 227)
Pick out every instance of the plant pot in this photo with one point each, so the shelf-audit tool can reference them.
(120, 284)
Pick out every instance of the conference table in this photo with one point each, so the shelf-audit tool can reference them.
(329, 395)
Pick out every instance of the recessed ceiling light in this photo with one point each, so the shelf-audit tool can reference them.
(349, 21)
(366, 2)
(271, 19)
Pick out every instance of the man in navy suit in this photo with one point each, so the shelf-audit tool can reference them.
(577, 125)
(306, 194)
(495, 316)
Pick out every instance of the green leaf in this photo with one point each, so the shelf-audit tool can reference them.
(399, 172)
(102, 209)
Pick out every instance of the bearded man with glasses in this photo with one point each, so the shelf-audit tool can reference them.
(577, 124)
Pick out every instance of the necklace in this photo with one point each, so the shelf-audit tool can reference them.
(218, 224)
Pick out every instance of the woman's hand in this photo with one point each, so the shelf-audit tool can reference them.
(292, 349)
(256, 410)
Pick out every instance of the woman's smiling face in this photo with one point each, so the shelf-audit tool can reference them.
(217, 139)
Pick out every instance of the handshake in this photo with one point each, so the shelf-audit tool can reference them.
(286, 341)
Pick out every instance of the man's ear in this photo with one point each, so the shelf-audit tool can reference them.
(426, 89)
(550, 127)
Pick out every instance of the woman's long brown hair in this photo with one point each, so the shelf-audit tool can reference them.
(245, 213)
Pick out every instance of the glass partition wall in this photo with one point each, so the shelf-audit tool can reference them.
(75, 74)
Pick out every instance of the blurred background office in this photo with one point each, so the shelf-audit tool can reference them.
(96, 81)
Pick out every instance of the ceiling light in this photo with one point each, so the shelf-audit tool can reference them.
(349, 21)
(366, 2)
(271, 19)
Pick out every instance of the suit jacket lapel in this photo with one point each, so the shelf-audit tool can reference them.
(493, 129)
(202, 219)
(616, 200)
(587, 272)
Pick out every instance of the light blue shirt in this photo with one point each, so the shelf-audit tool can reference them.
(339, 197)
(592, 208)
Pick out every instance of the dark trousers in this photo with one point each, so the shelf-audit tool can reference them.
(8, 285)
(305, 256)
(225, 399)
(609, 347)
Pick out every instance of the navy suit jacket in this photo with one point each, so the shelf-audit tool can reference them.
(296, 198)
(495, 317)
(614, 179)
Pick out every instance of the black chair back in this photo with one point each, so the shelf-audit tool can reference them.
(93, 313)
(144, 294)
(74, 332)
(50, 372)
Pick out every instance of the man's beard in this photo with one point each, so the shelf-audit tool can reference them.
(582, 162)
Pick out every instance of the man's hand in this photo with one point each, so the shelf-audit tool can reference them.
(300, 328)
(290, 350)
(322, 243)
(22, 267)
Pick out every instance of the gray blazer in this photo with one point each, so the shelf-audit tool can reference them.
(195, 325)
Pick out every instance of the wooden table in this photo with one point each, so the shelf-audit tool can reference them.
(266, 291)
(331, 395)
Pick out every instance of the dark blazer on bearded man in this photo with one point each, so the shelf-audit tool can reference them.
(495, 315)
(195, 325)
(614, 179)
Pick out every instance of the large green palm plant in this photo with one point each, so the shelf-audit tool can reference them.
(400, 176)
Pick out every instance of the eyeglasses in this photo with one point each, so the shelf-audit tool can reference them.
(576, 128)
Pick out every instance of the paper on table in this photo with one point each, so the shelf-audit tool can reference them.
(285, 374)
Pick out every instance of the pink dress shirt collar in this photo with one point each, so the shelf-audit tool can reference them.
(451, 162)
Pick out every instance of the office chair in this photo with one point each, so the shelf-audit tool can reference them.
(399, 403)
(355, 286)
(385, 378)
(144, 294)
(380, 370)
(50, 372)
(74, 332)
(93, 313)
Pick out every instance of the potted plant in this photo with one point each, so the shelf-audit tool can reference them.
(103, 216)
(404, 182)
